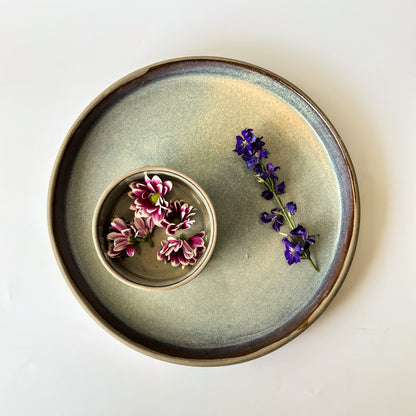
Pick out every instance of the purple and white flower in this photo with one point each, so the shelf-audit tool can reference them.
(144, 226)
(144, 229)
(181, 251)
(149, 198)
(120, 239)
(178, 217)
(123, 237)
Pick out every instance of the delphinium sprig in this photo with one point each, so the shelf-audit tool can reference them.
(297, 241)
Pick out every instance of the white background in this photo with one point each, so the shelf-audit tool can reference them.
(356, 60)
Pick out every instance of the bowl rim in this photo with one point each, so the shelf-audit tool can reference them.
(199, 265)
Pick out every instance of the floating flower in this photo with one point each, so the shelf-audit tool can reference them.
(123, 237)
(143, 229)
(120, 239)
(178, 217)
(152, 209)
(198, 244)
(181, 251)
(149, 198)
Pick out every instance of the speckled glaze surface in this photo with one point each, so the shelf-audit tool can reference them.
(185, 114)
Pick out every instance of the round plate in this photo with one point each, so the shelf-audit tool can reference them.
(185, 114)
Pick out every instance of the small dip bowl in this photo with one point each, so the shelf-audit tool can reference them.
(143, 269)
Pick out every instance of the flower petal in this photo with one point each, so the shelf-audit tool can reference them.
(291, 207)
(130, 251)
(267, 194)
(118, 224)
(266, 217)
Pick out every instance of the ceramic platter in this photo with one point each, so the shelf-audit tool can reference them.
(184, 114)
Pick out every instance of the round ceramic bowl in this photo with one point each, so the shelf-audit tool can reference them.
(144, 269)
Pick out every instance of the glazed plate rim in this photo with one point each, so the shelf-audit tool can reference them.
(259, 350)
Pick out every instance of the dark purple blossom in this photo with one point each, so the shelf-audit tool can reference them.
(244, 143)
(301, 232)
(291, 208)
(274, 216)
(250, 148)
(297, 242)
(258, 170)
(258, 145)
(271, 172)
(254, 158)
(293, 251)
(267, 194)
(280, 188)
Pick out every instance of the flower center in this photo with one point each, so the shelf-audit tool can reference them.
(154, 198)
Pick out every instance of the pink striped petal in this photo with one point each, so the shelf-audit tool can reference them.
(174, 261)
(118, 224)
(130, 251)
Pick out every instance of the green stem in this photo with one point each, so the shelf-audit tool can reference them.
(311, 261)
(286, 215)
(150, 241)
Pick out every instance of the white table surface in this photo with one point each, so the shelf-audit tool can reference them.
(356, 60)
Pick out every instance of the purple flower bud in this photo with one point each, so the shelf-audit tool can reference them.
(280, 188)
(267, 194)
(291, 207)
